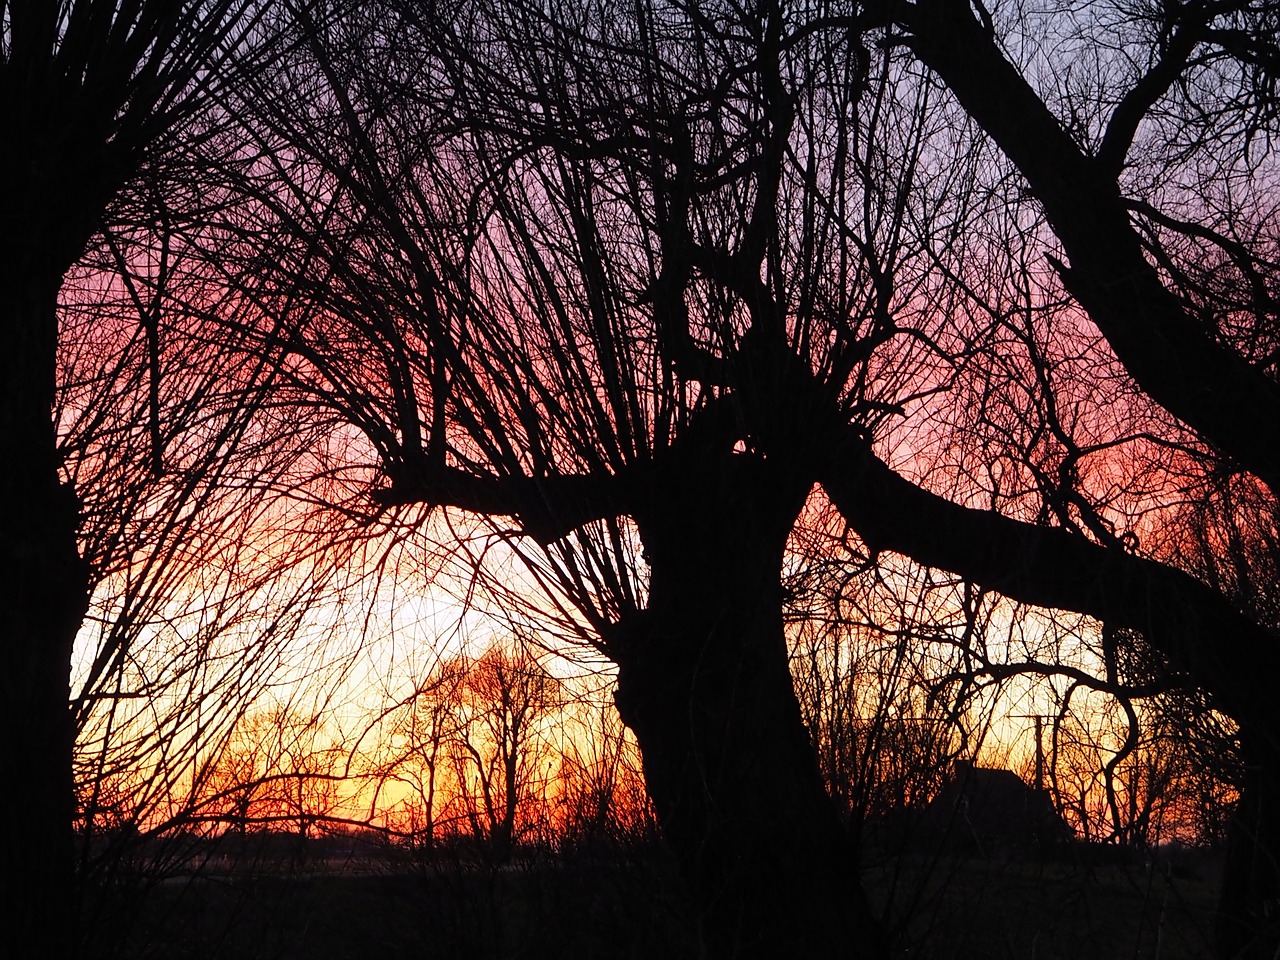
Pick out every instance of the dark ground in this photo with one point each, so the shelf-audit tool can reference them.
(943, 909)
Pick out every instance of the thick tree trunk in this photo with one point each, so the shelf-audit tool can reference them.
(42, 602)
(1248, 920)
(704, 684)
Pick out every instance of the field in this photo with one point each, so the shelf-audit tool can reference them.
(1052, 911)
(633, 907)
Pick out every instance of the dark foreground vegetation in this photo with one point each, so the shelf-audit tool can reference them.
(630, 904)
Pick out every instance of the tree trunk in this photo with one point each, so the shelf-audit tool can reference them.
(1247, 925)
(704, 684)
(43, 598)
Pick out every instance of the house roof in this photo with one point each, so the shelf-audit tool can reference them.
(986, 803)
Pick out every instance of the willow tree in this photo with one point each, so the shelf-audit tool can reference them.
(91, 93)
(1157, 178)
(630, 283)
(611, 279)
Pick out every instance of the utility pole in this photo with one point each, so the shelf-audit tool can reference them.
(1039, 718)
(1041, 821)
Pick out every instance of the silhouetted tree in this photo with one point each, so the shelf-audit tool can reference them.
(629, 283)
(91, 94)
(619, 311)
(499, 748)
(1155, 183)
(422, 729)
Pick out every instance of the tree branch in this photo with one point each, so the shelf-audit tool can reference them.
(1142, 96)
(547, 508)
(550, 507)
(1192, 625)
(1206, 385)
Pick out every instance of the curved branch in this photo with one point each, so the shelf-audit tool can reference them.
(1192, 625)
(1142, 96)
(1206, 385)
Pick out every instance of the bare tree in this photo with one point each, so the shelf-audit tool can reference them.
(93, 93)
(628, 284)
(1154, 184)
(576, 305)
(499, 748)
(421, 732)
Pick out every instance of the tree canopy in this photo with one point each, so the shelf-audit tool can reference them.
(651, 290)
(635, 283)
